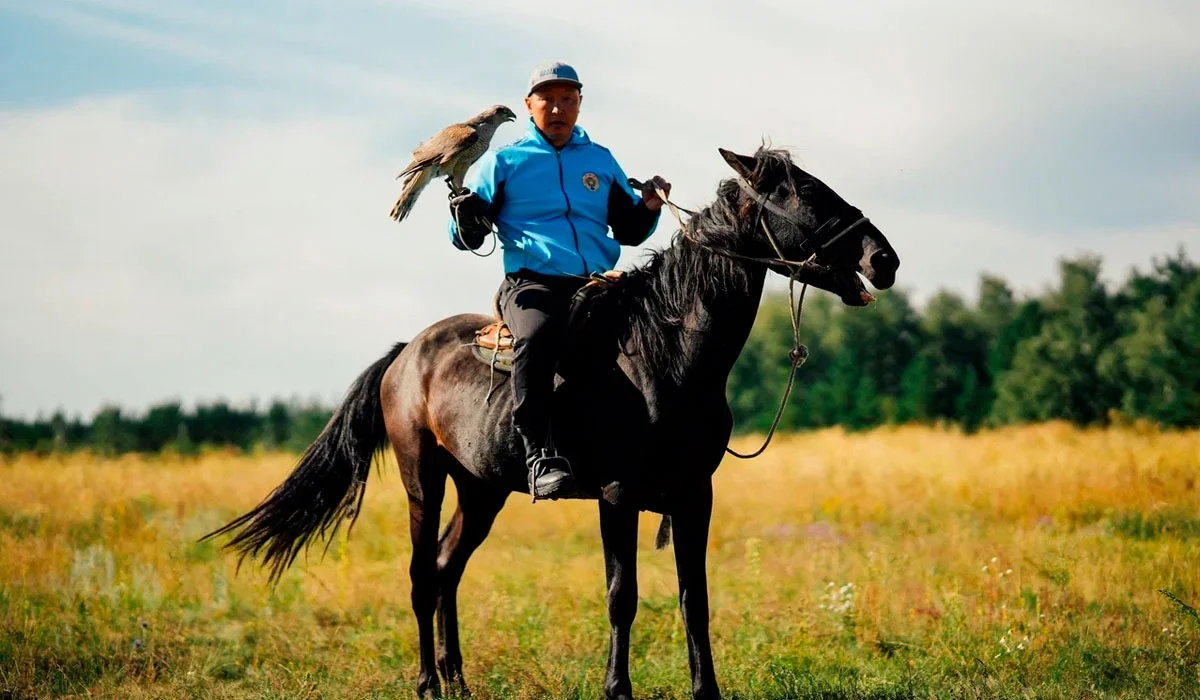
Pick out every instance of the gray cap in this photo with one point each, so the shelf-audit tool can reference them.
(556, 71)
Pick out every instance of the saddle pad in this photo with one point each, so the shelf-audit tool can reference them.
(504, 358)
(493, 346)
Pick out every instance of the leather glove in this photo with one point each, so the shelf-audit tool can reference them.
(470, 211)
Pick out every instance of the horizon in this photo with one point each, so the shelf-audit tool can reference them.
(194, 195)
(260, 404)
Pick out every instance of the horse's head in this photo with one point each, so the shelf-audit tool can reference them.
(801, 219)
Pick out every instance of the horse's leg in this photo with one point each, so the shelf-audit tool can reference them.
(478, 505)
(691, 544)
(425, 480)
(618, 532)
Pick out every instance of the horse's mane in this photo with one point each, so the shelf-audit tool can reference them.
(656, 297)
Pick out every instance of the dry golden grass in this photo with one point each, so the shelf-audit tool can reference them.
(908, 562)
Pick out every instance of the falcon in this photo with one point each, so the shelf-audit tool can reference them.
(450, 152)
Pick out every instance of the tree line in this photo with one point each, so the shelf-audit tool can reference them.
(168, 426)
(1078, 352)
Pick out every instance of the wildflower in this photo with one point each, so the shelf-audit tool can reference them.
(838, 600)
(1007, 647)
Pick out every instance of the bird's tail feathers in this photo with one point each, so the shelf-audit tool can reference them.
(414, 182)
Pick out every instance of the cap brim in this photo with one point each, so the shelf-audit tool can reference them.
(548, 81)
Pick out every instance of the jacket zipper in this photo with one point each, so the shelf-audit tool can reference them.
(562, 183)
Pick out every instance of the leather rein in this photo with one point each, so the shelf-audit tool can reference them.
(799, 352)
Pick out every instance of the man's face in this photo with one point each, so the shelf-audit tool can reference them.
(554, 108)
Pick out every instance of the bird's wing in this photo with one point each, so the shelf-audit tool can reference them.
(442, 147)
(453, 140)
(421, 159)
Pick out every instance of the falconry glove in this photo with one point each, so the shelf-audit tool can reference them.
(471, 213)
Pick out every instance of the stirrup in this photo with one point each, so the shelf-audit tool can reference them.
(538, 469)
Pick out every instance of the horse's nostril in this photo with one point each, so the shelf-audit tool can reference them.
(884, 259)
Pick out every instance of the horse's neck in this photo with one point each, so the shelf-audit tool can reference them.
(722, 326)
(692, 319)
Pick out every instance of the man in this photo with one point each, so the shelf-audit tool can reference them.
(552, 195)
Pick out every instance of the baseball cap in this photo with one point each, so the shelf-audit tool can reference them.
(556, 71)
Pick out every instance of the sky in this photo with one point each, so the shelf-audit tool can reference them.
(194, 194)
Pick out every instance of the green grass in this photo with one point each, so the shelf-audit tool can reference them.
(1036, 563)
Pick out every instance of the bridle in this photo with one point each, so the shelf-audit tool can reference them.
(799, 352)
(764, 202)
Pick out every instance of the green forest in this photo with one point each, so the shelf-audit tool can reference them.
(1079, 352)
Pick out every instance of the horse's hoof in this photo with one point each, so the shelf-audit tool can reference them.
(429, 691)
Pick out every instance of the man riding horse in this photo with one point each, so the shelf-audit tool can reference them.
(681, 320)
(552, 195)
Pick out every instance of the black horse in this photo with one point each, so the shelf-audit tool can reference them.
(643, 387)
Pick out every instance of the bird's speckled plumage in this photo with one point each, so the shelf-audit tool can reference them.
(448, 153)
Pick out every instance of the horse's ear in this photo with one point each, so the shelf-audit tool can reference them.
(742, 165)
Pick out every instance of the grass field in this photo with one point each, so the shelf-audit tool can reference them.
(1042, 562)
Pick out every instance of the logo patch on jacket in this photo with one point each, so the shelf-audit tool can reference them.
(591, 182)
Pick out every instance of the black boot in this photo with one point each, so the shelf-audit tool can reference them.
(549, 472)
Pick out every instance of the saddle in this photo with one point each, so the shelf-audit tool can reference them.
(493, 344)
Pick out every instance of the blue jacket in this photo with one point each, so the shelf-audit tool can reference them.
(553, 208)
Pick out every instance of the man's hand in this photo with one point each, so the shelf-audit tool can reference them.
(650, 194)
(470, 212)
(467, 207)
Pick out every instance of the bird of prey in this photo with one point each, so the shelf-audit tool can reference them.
(450, 152)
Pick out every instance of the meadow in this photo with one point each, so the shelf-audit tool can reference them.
(1043, 561)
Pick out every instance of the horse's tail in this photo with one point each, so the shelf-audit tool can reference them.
(327, 485)
(664, 533)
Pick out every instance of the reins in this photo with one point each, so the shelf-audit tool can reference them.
(799, 352)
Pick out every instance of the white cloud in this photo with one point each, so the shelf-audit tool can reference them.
(275, 51)
(146, 254)
(233, 240)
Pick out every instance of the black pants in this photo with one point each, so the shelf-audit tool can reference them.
(535, 307)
